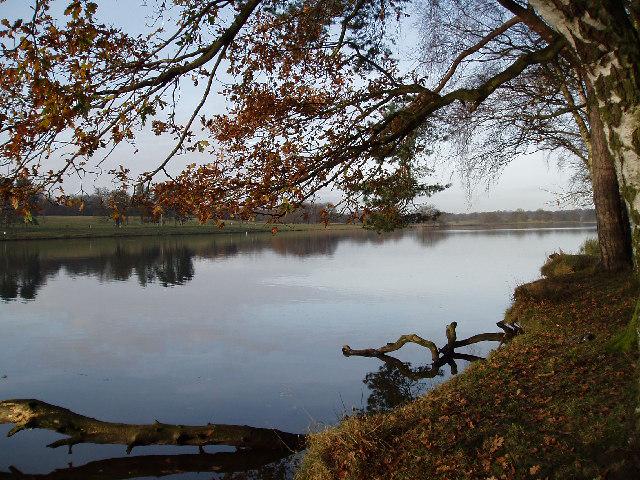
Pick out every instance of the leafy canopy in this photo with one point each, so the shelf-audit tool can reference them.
(320, 98)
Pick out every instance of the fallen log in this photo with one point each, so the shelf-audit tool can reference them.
(28, 414)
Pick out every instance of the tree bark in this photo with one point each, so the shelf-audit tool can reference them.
(614, 232)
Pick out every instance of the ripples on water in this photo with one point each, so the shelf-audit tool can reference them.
(238, 329)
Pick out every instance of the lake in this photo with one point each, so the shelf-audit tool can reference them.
(243, 329)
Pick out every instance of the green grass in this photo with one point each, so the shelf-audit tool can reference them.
(559, 264)
(547, 405)
(56, 227)
(590, 247)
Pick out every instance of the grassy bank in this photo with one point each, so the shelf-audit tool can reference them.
(557, 402)
(60, 227)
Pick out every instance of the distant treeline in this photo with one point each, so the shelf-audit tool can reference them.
(98, 204)
(101, 204)
(519, 216)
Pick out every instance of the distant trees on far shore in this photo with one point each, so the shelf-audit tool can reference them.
(104, 202)
(579, 215)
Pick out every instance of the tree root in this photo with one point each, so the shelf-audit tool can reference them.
(27, 414)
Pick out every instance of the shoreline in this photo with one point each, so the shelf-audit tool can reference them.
(556, 402)
(78, 227)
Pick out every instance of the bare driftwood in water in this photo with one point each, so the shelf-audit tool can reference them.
(439, 356)
(393, 346)
(26, 414)
(156, 466)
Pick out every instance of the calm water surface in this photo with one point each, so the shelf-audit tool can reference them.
(239, 329)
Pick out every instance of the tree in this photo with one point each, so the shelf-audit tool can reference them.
(8, 214)
(119, 202)
(18, 200)
(544, 109)
(604, 38)
(319, 97)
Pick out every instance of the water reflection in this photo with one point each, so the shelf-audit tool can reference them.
(25, 271)
(396, 382)
(236, 465)
(26, 266)
(391, 387)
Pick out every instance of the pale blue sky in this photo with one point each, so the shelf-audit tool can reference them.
(527, 182)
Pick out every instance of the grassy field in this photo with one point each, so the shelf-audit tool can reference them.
(557, 402)
(61, 227)
(57, 227)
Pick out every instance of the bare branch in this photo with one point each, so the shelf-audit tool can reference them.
(223, 41)
(465, 53)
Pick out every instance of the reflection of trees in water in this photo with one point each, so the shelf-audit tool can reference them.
(27, 266)
(170, 265)
(21, 276)
(25, 272)
(390, 387)
(431, 236)
(175, 267)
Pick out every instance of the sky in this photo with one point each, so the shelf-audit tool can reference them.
(529, 182)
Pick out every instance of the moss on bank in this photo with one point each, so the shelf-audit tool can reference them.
(557, 402)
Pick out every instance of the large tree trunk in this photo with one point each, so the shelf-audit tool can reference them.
(614, 232)
(605, 41)
(604, 36)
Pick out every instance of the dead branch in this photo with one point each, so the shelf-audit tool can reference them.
(473, 49)
(439, 356)
(393, 346)
(27, 414)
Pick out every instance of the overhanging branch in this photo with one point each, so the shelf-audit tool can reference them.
(208, 54)
(401, 123)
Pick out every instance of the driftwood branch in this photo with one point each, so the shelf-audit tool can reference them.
(27, 414)
(156, 466)
(393, 346)
(439, 356)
